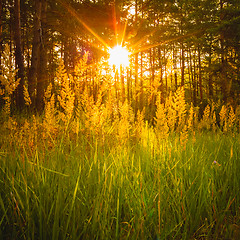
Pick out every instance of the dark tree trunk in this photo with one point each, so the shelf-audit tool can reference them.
(9, 7)
(42, 69)
(195, 76)
(175, 69)
(192, 76)
(165, 70)
(136, 82)
(182, 65)
(200, 73)
(223, 60)
(1, 37)
(32, 80)
(141, 82)
(161, 87)
(136, 62)
(210, 81)
(128, 85)
(122, 83)
(19, 55)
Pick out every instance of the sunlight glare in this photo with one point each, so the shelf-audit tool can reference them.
(119, 56)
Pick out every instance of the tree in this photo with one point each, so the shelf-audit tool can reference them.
(37, 80)
(42, 68)
(199, 37)
(37, 37)
(1, 35)
(18, 55)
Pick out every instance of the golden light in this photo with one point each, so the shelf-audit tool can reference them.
(119, 56)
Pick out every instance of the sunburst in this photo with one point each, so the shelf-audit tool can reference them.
(119, 56)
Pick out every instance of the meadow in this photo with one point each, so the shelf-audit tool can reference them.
(99, 170)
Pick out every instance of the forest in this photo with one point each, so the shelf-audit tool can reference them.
(120, 119)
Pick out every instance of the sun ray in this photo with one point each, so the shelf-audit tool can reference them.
(116, 29)
(143, 39)
(115, 23)
(124, 32)
(147, 47)
(94, 45)
(73, 13)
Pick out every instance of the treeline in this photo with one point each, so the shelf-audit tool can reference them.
(190, 43)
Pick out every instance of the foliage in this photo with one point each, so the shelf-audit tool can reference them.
(8, 80)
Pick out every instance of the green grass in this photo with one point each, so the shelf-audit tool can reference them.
(88, 190)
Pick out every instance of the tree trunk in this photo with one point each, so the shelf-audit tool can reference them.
(223, 60)
(182, 65)
(195, 78)
(165, 70)
(19, 55)
(136, 82)
(10, 7)
(1, 37)
(161, 87)
(210, 81)
(128, 85)
(175, 69)
(32, 79)
(136, 63)
(122, 83)
(200, 73)
(192, 77)
(141, 83)
(42, 73)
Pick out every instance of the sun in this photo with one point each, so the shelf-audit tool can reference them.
(119, 56)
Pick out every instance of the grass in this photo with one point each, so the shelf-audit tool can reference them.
(91, 167)
(84, 189)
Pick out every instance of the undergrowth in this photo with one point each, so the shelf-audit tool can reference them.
(90, 167)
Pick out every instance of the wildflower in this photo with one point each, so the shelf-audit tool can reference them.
(216, 163)
(160, 119)
(27, 98)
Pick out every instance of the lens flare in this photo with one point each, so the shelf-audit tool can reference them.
(119, 56)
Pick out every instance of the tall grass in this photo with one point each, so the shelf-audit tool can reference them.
(88, 168)
(85, 190)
